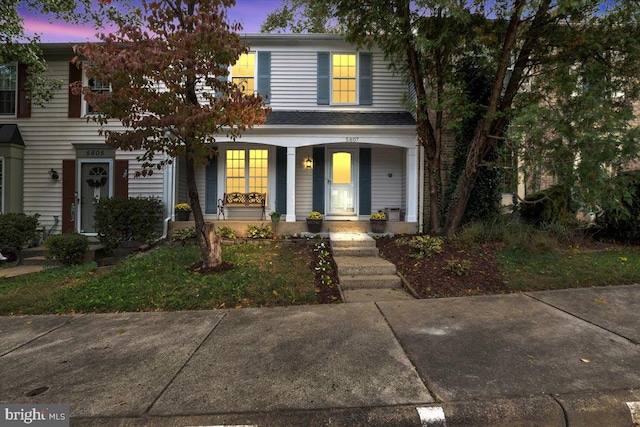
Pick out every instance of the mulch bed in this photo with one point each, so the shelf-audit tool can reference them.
(431, 277)
(197, 268)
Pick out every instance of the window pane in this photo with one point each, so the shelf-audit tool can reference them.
(8, 89)
(243, 72)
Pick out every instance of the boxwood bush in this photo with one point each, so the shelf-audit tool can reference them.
(549, 206)
(123, 219)
(69, 248)
(622, 222)
(17, 229)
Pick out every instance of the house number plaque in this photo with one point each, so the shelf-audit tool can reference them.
(352, 138)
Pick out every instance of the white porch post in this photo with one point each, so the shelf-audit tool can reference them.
(291, 184)
(412, 185)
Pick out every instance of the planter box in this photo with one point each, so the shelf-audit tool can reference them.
(314, 225)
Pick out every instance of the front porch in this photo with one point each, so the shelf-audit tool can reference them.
(297, 227)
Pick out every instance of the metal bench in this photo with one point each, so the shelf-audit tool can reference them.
(249, 200)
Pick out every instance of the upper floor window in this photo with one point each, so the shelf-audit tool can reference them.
(343, 78)
(98, 87)
(8, 89)
(243, 72)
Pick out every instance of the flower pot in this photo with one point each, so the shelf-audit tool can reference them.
(377, 225)
(314, 225)
(275, 219)
(182, 215)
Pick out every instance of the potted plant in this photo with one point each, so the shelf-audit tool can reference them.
(378, 222)
(314, 222)
(275, 217)
(182, 211)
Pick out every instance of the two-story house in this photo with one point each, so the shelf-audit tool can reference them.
(338, 140)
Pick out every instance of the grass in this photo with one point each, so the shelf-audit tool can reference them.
(570, 269)
(159, 281)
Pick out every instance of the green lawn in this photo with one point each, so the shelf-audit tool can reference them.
(158, 280)
(570, 269)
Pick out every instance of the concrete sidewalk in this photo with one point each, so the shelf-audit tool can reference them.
(552, 358)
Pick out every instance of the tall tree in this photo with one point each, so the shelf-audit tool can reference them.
(533, 46)
(170, 91)
(17, 46)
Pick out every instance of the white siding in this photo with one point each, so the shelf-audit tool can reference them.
(387, 191)
(294, 81)
(48, 136)
(304, 184)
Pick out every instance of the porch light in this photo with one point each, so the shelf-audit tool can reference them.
(308, 163)
(53, 174)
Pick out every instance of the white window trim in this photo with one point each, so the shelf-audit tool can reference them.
(85, 105)
(255, 71)
(15, 114)
(357, 101)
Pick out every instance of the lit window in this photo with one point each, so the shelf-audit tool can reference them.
(8, 89)
(243, 72)
(247, 176)
(343, 78)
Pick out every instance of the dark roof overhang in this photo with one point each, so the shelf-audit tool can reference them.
(10, 134)
(340, 118)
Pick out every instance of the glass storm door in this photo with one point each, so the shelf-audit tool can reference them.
(94, 185)
(341, 183)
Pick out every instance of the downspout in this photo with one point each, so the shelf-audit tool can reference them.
(169, 194)
(420, 189)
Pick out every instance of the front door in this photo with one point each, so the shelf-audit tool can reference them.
(342, 179)
(95, 184)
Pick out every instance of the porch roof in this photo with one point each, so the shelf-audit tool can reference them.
(340, 118)
(10, 134)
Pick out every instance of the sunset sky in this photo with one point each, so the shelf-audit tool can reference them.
(250, 13)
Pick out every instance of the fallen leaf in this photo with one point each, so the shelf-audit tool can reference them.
(530, 356)
(600, 300)
(586, 360)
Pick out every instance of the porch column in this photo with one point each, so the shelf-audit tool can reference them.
(412, 185)
(291, 184)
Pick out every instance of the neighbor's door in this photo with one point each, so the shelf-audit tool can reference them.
(342, 179)
(95, 184)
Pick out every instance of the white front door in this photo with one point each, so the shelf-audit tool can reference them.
(95, 184)
(342, 178)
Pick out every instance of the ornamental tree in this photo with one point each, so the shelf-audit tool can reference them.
(169, 89)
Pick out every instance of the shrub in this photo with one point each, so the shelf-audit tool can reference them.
(622, 222)
(122, 219)
(259, 232)
(226, 232)
(17, 229)
(184, 233)
(426, 245)
(69, 249)
(459, 267)
(547, 206)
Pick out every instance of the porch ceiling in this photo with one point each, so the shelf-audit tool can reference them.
(340, 118)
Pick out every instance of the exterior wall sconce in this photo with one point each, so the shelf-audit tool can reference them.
(308, 163)
(53, 174)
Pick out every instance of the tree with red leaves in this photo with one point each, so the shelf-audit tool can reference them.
(169, 89)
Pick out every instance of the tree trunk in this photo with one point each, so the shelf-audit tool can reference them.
(209, 242)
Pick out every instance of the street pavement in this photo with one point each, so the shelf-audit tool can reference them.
(553, 358)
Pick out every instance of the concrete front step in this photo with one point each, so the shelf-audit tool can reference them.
(351, 240)
(355, 252)
(381, 281)
(39, 260)
(375, 295)
(363, 266)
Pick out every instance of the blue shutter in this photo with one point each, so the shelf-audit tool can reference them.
(211, 187)
(324, 78)
(281, 180)
(264, 76)
(365, 181)
(366, 84)
(318, 179)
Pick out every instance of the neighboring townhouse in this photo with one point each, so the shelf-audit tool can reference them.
(338, 140)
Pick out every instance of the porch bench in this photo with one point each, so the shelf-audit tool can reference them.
(248, 200)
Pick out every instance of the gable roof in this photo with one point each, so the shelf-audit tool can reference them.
(10, 134)
(340, 118)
